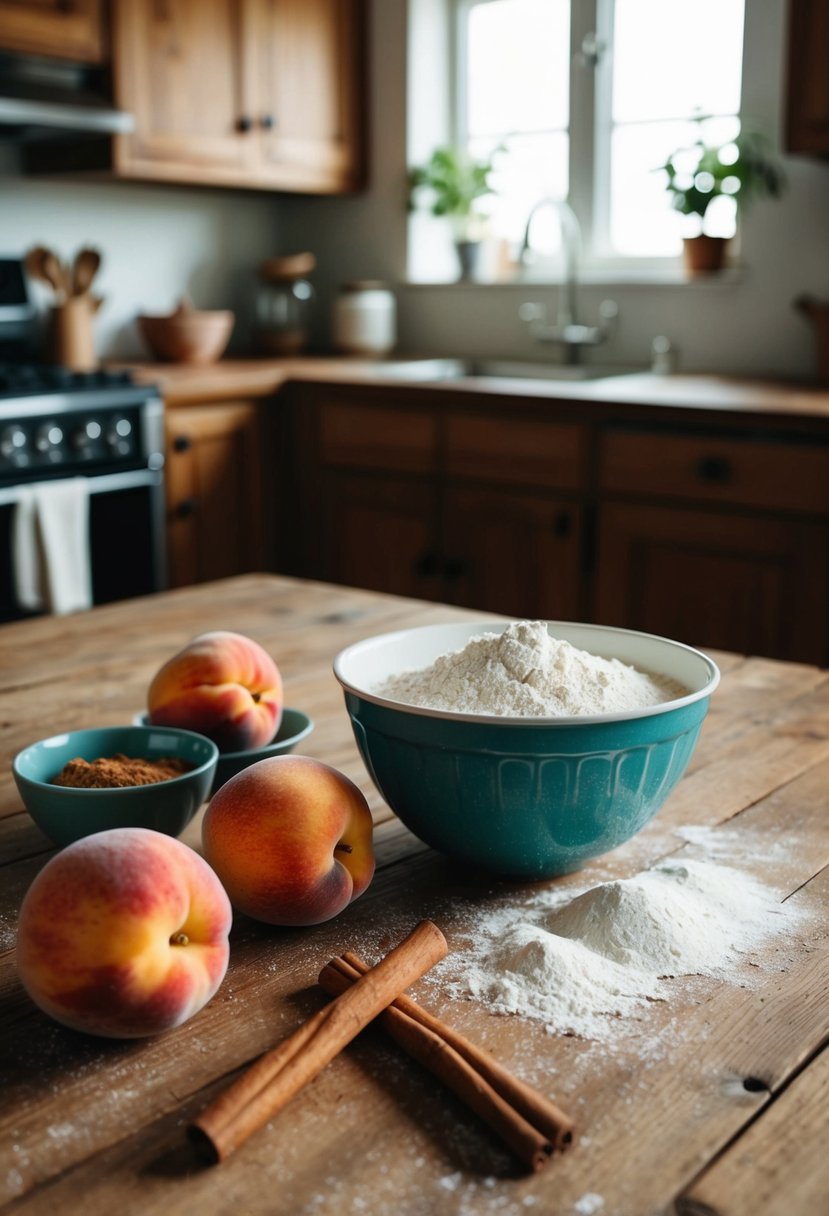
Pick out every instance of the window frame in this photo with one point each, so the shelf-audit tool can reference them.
(590, 131)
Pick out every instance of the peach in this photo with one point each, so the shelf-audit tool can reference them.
(222, 685)
(124, 934)
(291, 840)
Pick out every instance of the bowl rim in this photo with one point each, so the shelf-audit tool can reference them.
(205, 768)
(305, 730)
(506, 721)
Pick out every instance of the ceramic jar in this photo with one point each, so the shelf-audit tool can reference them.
(365, 318)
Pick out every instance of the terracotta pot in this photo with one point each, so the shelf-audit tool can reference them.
(187, 335)
(704, 254)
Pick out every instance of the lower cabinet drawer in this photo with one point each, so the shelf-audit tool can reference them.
(549, 455)
(364, 437)
(743, 472)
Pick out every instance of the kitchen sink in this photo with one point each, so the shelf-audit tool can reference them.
(426, 370)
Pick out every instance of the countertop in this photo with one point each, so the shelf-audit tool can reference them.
(252, 378)
(714, 1101)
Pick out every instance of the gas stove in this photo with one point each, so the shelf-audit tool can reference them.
(56, 423)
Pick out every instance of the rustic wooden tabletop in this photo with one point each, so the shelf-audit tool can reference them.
(714, 1101)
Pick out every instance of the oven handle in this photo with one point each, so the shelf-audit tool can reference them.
(106, 483)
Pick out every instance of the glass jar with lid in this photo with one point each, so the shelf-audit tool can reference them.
(365, 318)
(284, 304)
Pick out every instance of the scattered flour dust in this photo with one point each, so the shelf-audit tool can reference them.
(524, 672)
(604, 954)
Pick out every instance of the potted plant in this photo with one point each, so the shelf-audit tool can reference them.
(450, 185)
(743, 169)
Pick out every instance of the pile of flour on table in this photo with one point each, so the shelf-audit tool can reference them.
(605, 952)
(523, 672)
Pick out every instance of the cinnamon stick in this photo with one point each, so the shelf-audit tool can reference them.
(529, 1123)
(278, 1075)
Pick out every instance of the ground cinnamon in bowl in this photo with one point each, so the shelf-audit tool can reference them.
(112, 772)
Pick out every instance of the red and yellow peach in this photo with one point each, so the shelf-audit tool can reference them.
(124, 934)
(222, 685)
(291, 840)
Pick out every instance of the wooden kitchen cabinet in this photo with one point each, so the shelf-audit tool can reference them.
(215, 495)
(807, 109)
(718, 539)
(715, 534)
(265, 94)
(54, 28)
(517, 554)
(467, 509)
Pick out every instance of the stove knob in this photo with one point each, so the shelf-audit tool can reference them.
(48, 437)
(86, 434)
(12, 442)
(118, 436)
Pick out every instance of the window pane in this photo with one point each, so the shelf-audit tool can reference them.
(642, 221)
(518, 66)
(672, 58)
(532, 167)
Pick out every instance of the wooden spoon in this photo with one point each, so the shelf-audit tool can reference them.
(84, 270)
(43, 265)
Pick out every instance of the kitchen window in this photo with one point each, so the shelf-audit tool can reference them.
(588, 98)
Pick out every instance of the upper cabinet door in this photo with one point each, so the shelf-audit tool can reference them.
(53, 27)
(181, 67)
(310, 105)
(807, 111)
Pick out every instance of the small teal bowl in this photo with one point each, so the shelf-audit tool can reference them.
(525, 798)
(294, 727)
(66, 814)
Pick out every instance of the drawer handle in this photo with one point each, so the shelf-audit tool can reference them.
(244, 124)
(181, 443)
(426, 566)
(187, 507)
(715, 470)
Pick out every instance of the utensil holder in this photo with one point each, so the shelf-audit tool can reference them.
(72, 341)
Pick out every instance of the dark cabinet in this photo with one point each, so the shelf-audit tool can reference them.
(463, 509)
(807, 103)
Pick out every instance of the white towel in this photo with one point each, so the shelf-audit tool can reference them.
(50, 546)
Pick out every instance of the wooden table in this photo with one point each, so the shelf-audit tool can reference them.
(716, 1102)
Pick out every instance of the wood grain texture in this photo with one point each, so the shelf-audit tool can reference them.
(780, 1165)
(94, 1126)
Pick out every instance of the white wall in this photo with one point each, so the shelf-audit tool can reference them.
(158, 243)
(744, 323)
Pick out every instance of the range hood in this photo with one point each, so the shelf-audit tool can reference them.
(41, 98)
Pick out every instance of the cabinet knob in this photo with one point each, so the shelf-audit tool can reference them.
(244, 123)
(453, 568)
(181, 443)
(267, 122)
(715, 470)
(426, 565)
(187, 507)
(562, 524)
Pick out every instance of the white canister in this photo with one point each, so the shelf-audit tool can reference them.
(365, 318)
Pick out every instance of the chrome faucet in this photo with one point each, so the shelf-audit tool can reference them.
(567, 331)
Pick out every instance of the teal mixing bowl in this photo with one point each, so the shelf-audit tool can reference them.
(524, 797)
(66, 814)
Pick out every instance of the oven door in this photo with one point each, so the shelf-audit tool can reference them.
(126, 538)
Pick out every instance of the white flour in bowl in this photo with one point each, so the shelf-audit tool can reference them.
(604, 954)
(523, 672)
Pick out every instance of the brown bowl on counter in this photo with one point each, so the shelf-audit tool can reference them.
(188, 335)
